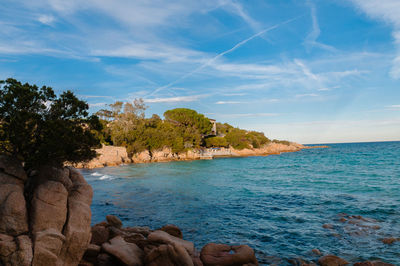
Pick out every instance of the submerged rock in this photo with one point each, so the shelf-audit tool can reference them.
(389, 240)
(332, 260)
(372, 263)
(316, 252)
(301, 262)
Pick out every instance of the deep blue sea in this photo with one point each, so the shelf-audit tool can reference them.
(276, 204)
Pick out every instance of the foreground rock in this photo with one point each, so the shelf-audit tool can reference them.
(59, 216)
(127, 253)
(113, 244)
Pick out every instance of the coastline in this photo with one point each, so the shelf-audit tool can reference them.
(116, 155)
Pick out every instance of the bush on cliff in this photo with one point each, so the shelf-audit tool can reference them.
(37, 127)
(216, 142)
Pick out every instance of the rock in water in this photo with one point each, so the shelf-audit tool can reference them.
(372, 263)
(220, 254)
(332, 260)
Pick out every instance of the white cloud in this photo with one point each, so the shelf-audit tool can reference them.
(388, 11)
(393, 107)
(46, 19)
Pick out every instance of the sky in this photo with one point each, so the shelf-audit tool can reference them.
(310, 71)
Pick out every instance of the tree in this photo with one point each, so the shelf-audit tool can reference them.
(39, 128)
(189, 118)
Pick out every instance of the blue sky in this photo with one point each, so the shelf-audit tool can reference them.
(312, 71)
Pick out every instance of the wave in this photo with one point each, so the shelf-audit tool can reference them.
(106, 177)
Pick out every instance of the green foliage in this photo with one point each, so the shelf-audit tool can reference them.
(237, 138)
(189, 119)
(284, 142)
(40, 128)
(257, 139)
(182, 128)
(216, 142)
(223, 129)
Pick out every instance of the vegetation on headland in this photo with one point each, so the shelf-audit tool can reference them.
(182, 129)
(39, 127)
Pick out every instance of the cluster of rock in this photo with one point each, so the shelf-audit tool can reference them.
(357, 225)
(52, 225)
(112, 244)
(332, 260)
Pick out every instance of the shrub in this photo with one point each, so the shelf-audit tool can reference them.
(216, 142)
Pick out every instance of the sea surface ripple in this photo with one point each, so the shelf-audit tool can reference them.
(276, 204)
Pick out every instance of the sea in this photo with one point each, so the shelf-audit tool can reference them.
(341, 200)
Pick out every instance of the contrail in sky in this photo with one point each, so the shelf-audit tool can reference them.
(238, 45)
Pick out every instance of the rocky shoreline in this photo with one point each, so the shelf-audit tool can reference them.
(113, 244)
(114, 156)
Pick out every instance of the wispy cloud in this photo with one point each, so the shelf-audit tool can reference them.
(94, 96)
(393, 107)
(152, 51)
(307, 95)
(97, 104)
(248, 115)
(228, 102)
(238, 45)
(175, 99)
(395, 71)
(311, 39)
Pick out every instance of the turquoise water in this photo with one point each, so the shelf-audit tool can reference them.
(276, 204)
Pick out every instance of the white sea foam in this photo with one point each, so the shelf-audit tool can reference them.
(96, 174)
